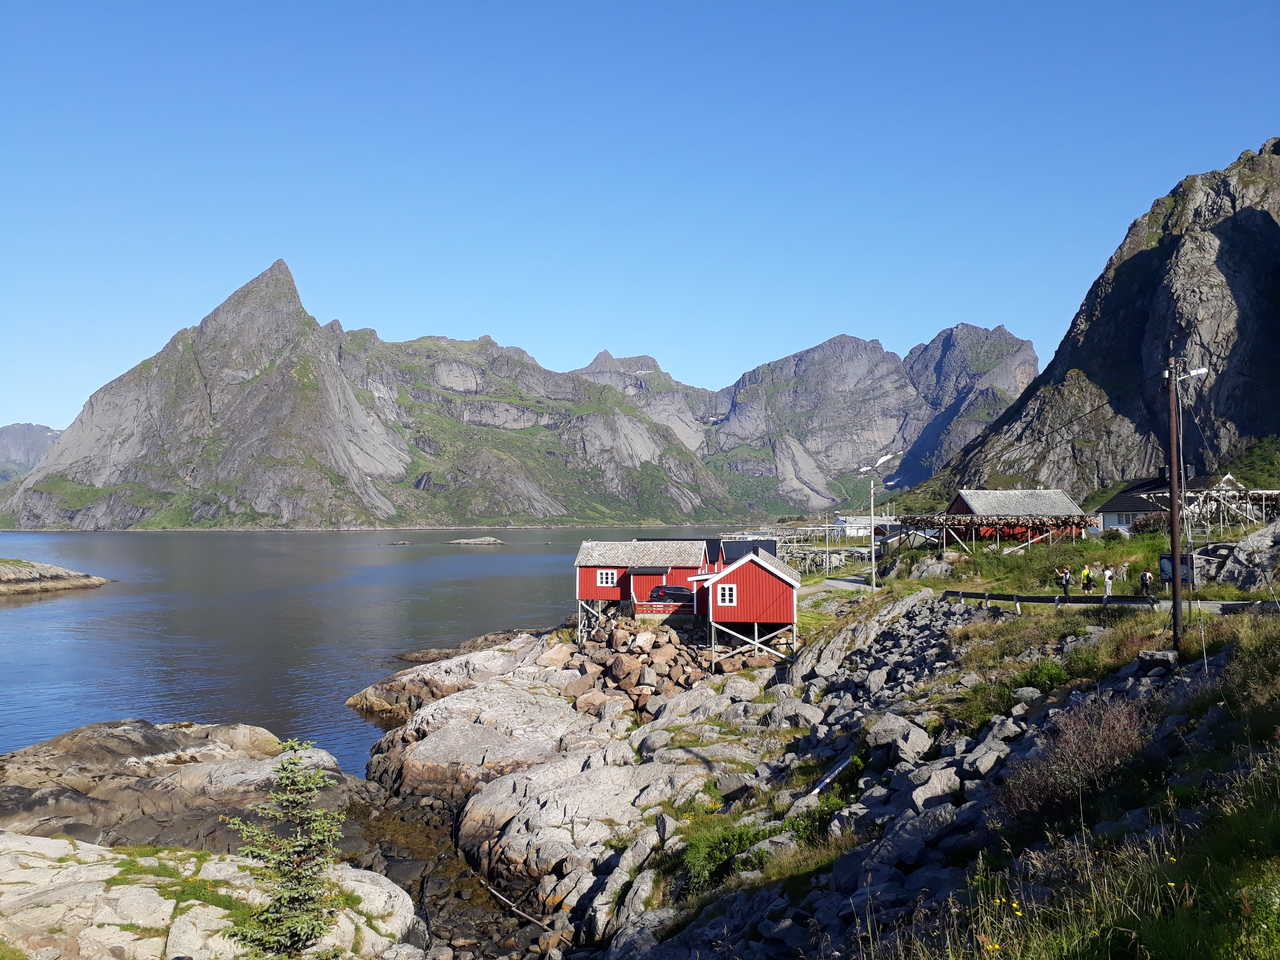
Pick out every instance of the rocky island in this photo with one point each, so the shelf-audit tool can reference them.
(25, 576)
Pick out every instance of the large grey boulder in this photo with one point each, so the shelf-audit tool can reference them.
(495, 727)
(60, 898)
(131, 781)
(794, 713)
(397, 697)
(905, 839)
(522, 825)
(1252, 564)
(904, 737)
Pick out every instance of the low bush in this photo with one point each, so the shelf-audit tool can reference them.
(1151, 523)
(810, 828)
(711, 846)
(1044, 675)
(1091, 744)
(981, 703)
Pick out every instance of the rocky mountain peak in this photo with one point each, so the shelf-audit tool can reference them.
(603, 362)
(22, 446)
(1200, 271)
(963, 357)
(263, 309)
(261, 416)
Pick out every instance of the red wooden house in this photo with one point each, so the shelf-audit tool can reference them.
(751, 600)
(626, 571)
(738, 587)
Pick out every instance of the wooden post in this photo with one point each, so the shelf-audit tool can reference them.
(1175, 516)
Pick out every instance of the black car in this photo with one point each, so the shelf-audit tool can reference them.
(670, 594)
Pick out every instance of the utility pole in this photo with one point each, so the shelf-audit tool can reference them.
(1175, 501)
(873, 531)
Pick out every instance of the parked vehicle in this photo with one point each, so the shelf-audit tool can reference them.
(670, 593)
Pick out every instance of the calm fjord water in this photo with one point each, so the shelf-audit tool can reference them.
(275, 629)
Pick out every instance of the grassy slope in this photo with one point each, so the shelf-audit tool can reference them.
(1211, 895)
(1033, 572)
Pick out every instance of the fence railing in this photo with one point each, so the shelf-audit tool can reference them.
(653, 608)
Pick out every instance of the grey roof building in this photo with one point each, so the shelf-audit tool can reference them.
(641, 553)
(1013, 503)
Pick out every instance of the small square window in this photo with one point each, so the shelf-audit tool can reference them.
(727, 594)
(606, 578)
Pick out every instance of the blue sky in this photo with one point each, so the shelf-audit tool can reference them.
(717, 183)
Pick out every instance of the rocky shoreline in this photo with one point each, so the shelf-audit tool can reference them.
(25, 577)
(538, 796)
(571, 773)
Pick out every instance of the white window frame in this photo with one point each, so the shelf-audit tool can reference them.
(726, 594)
(606, 578)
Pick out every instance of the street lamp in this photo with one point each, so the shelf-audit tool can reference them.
(887, 485)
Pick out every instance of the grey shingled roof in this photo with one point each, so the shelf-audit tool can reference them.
(640, 553)
(784, 570)
(1020, 503)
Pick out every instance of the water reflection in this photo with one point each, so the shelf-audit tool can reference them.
(276, 629)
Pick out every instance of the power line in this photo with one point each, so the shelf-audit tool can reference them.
(1045, 436)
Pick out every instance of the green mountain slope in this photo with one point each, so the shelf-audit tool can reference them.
(260, 416)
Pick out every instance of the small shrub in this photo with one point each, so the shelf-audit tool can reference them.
(1091, 743)
(982, 702)
(1044, 675)
(1152, 523)
(707, 860)
(810, 827)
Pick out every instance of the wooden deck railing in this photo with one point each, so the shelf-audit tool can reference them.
(654, 608)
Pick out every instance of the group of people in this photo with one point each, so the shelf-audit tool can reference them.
(1107, 575)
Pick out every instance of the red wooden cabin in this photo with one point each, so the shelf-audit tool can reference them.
(751, 600)
(739, 586)
(626, 571)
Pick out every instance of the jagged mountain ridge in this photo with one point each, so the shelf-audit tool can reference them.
(22, 446)
(824, 413)
(262, 416)
(1200, 271)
